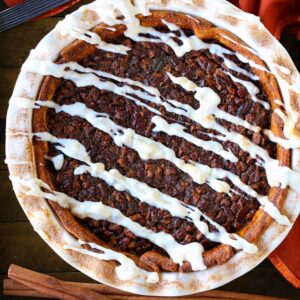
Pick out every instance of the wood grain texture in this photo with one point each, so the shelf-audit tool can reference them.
(10, 210)
(26, 36)
(3, 166)
(8, 78)
(19, 243)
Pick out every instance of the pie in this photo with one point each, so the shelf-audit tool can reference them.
(154, 144)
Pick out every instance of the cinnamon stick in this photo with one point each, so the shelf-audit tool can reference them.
(24, 282)
(51, 286)
(13, 288)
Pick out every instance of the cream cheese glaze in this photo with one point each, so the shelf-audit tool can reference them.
(98, 211)
(57, 161)
(127, 270)
(145, 193)
(284, 175)
(108, 11)
(149, 149)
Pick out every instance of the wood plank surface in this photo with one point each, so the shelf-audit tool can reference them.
(19, 243)
(8, 79)
(3, 166)
(22, 246)
(27, 37)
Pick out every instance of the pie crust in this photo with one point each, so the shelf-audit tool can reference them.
(26, 154)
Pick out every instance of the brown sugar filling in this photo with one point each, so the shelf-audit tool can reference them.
(148, 63)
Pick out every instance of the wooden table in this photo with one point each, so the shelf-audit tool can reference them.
(19, 244)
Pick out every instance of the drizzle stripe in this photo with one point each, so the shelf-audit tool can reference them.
(98, 211)
(127, 270)
(149, 149)
(277, 175)
(152, 94)
(144, 192)
(203, 115)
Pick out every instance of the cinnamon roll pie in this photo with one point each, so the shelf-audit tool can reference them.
(162, 143)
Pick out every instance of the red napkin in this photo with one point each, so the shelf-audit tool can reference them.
(286, 257)
(277, 15)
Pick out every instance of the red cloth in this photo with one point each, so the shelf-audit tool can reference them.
(286, 258)
(277, 15)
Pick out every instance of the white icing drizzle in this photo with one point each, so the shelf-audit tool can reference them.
(194, 43)
(127, 270)
(292, 117)
(251, 63)
(57, 161)
(146, 148)
(285, 143)
(149, 149)
(179, 253)
(243, 58)
(152, 95)
(203, 115)
(234, 67)
(279, 102)
(23, 102)
(283, 69)
(207, 93)
(205, 118)
(66, 71)
(176, 129)
(81, 80)
(145, 193)
(289, 127)
(108, 11)
(251, 89)
(209, 108)
(80, 30)
(289, 85)
(93, 38)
